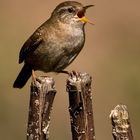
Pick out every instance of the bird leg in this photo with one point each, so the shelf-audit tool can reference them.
(63, 71)
(34, 77)
(72, 73)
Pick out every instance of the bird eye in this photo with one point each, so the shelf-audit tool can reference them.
(70, 10)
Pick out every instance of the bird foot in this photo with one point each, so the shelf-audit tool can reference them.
(34, 78)
(74, 74)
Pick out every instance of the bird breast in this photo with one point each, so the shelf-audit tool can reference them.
(58, 49)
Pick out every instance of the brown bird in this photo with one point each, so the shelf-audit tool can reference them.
(56, 43)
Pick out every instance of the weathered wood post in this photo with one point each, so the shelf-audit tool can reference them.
(80, 106)
(41, 101)
(121, 127)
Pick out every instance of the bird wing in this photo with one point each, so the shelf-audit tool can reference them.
(29, 46)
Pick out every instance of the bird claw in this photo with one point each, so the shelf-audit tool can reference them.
(35, 80)
(75, 80)
(74, 74)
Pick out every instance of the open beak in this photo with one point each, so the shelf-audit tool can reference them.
(81, 14)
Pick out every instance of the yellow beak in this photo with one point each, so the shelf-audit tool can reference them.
(81, 15)
(85, 20)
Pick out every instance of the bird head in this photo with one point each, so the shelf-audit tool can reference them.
(71, 12)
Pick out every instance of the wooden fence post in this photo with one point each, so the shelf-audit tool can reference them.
(80, 106)
(121, 127)
(41, 100)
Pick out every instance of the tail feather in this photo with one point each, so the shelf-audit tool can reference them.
(23, 76)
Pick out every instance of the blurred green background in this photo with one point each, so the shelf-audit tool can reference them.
(111, 56)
